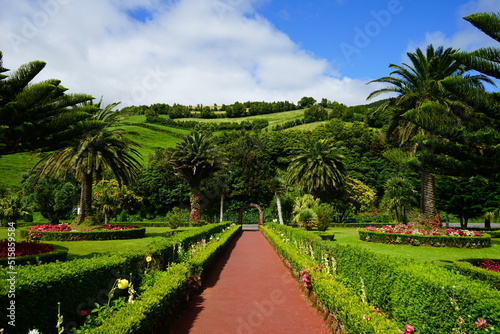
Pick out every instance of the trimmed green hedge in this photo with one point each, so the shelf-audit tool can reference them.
(58, 254)
(157, 308)
(153, 310)
(80, 283)
(469, 269)
(428, 240)
(494, 234)
(133, 233)
(348, 308)
(430, 298)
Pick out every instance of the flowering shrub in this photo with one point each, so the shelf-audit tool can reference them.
(430, 234)
(24, 248)
(68, 228)
(489, 264)
(411, 228)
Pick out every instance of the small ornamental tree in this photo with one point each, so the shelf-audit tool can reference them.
(55, 197)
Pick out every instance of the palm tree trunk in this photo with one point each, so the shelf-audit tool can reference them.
(85, 198)
(221, 208)
(195, 216)
(278, 204)
(427, 201)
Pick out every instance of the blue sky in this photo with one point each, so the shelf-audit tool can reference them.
(222, 51)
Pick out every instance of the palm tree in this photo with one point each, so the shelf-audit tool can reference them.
(317, 168)
(36, 115)
(277, 185)
(195, 159)
(101, 149)
(425, 112)
(399, 196)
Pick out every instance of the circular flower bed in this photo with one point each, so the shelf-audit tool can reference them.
(22, 252)
(66, 232)
(413, 234)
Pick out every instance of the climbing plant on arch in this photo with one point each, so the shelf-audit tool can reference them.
(261, 213)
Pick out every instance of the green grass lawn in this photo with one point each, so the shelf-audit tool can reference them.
(343, 235)
(88, 249)
(438, 255)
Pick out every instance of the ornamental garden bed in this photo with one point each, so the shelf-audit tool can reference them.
(66, 232)
(413, 234)
(29, 252)
(487, 270)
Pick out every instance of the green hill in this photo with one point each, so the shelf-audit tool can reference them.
(149, 136)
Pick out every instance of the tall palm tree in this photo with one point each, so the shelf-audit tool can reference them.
(36, 115)
(101, 149)
(425, 112)
(195, 159)
(317, 168)
(278, 186)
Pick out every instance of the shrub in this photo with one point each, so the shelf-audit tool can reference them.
(52, 254)
(354, 315)
(468, 268)
(325, 214)
(175, 217)
(40, 288)
(106, 234)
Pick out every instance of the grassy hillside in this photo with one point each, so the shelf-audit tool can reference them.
(149, 136)
(273, 119)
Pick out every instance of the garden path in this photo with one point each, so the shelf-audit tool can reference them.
(250, 291)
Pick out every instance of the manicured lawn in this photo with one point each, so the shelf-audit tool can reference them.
(438, 255)
(85, 249)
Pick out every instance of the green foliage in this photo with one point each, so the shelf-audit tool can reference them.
(109, 198)
(58, 254)
(159, 302)
(325, 215)
(470, 269)
(344, 305)
(36, 115)
(175, 217)
(430, 298)
(133, 233)
(399, 197)
(315, 113)
(55, 197)
(425, 240)
(303, 210)
(79, 283)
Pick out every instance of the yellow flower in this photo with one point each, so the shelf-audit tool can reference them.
(149, 258)
(122, 284)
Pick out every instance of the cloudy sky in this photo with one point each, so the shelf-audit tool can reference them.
(222, 51)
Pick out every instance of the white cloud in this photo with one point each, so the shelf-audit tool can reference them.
(467, 37)
(187, 51)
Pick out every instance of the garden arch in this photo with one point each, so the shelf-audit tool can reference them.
(261, 213)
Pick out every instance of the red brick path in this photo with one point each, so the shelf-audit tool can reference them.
(250, 291)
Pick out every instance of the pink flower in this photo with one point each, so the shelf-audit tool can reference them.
(409, 329)
(302, 272)
(84, 313)
(306, 278)
(481, 323)
(367, 318)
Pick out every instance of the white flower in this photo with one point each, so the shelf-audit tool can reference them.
(34, 331)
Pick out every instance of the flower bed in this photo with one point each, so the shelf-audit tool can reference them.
(412, 234)
(65, 232)
(486, 270)
(25, 252)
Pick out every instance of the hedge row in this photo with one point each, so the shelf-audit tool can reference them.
(428, 240)
(157, 308)
(430, 298)
(352, 314)
(133, 233)
(78, 284)
(58, 254)
(469, 269)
